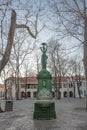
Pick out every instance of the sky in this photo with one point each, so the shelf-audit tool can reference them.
(20, 7)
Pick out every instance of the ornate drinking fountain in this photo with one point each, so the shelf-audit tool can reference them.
(44, 107)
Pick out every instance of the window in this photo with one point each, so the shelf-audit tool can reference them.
(70, 85)
(22, 86)
(65, 85)
(70, 94)
(35, 86)
(31, 86)
(28, 94)
(81, 92)
(59, 85)
(84, 92)
(28, 86)
(34, 94)
(65, 94)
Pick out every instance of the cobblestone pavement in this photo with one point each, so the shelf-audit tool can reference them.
(71, 115)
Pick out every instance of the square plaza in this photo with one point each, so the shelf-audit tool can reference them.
(71, 115)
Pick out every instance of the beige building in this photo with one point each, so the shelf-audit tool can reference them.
(28, 86)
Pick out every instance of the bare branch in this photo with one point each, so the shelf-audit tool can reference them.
(28, 29)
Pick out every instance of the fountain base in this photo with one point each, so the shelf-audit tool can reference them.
(44, 110)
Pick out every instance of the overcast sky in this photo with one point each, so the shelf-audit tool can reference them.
(20, 6)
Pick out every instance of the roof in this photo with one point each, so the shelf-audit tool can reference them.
(34, 79)
(29, 80)
(10, 78)
(63, 79)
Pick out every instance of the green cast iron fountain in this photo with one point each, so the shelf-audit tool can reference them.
(44, 108)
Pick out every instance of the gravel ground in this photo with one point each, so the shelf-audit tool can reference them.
(71, 115)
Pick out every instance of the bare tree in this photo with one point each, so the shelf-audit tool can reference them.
(56, 64)
(26, 72)
(19, 54)
(6, 51)
(75, 73)
(29, 22)
(72, 17)
(38, 64)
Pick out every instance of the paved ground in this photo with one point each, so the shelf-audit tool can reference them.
(71, 115)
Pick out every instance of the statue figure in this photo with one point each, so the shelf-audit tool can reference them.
(44, 56)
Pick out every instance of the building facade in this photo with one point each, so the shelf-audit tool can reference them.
(28, 87)
(2, 90)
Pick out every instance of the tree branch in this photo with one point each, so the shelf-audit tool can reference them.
(28, 29)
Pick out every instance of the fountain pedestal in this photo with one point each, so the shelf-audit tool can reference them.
(44, 110)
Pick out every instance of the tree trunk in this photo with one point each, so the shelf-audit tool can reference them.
(59, 86)
(78, 87)
(85, 53)
(5, 90)
(7, 52)
(74, 90)
(1, 110)
(79, 92)
(55, 85)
